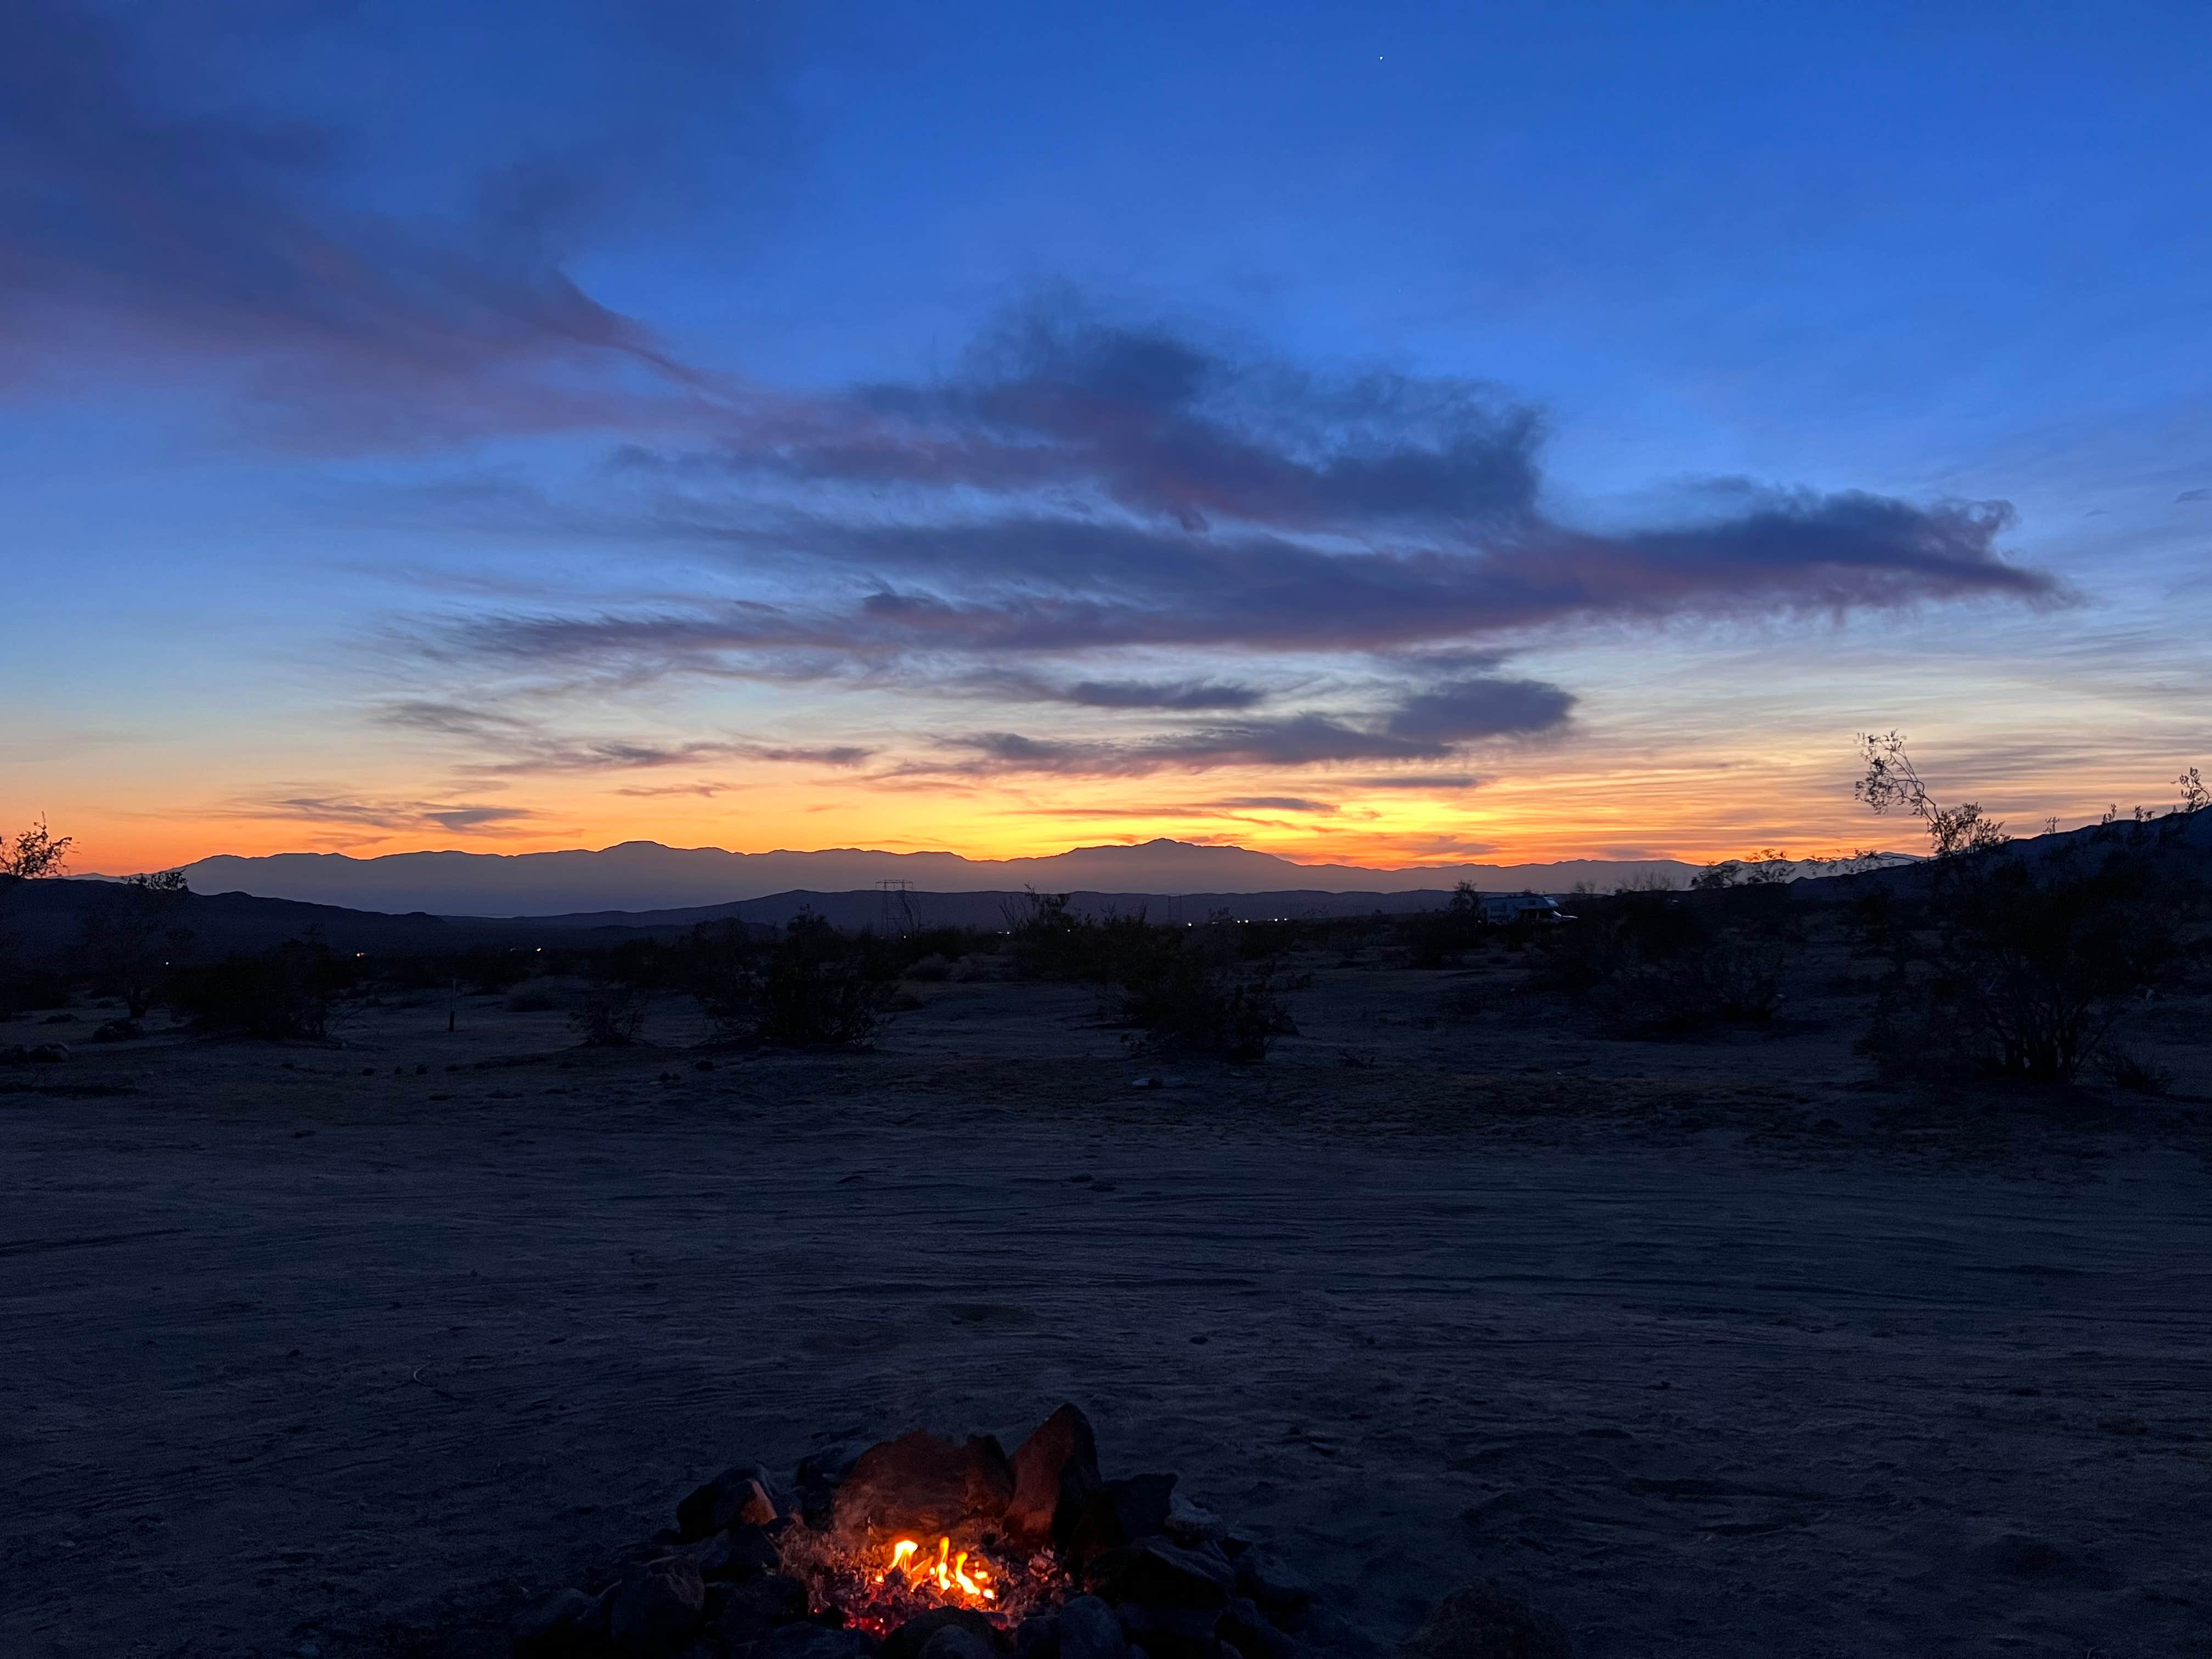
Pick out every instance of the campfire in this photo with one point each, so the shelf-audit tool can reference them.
(924, 1548)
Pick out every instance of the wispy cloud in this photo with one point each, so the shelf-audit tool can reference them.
(509, 745)
(164, 226)
(373, 814)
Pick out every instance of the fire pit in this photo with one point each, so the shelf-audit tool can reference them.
(929, 1548)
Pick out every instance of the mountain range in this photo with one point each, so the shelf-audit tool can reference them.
(644, 875)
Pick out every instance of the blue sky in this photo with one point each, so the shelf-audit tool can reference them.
(1530, 429)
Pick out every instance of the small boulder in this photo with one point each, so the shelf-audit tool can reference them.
(656, 1606)
(817, 1642)
(955, 1642)
(1155, 1573)
(49, 1054)
(118, 1031)
(1054, 1470)
(1251, 1631)
(923, 1483)
(1280, 1590)
(1089, 1630)
(911, 1639)
(1119, 1511)
(1488, 1621)
(1038, 1636)
(746, 1493)
(564, 1623)
(755, 1608)
(1169, 1632)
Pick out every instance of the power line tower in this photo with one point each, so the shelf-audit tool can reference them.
(898, 907)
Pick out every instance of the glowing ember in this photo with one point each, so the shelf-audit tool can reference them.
(879, 1585)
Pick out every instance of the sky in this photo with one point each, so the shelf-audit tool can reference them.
(1385, 433)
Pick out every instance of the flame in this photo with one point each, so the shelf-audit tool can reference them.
(950, 1575)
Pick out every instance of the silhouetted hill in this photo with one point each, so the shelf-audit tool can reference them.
(46, 918)
(645, 875)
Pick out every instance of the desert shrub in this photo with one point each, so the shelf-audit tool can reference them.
(2013, 969)
(1437, 938)
(2136, 1075)
(486, 970)
(945, 945)
(284, 991)
(31, 990)
(611, 1016)
(819, 986)
(1654, 963)
(1729, 978)
(1049, 941)
(132, 935)
(931, 970)
(1191, 989)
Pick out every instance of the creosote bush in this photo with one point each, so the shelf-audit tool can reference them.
(284, 991)
(1214, 989)
(2017, 968)
(1655, 964)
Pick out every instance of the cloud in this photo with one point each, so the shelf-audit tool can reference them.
(1442, 781)
(1428, 726)
(1179, 694)
(1034, 586)
(157, 219)
(1462, 710)
(365, 813)
(1162, 423)
(704, 791)
(1276, 803)
(2193, 495)
(518, 746)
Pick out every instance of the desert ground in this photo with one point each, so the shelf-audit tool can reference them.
(1711, 1347)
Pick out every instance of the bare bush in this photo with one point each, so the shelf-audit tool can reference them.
(131, 936)
(611, 1016)
(285, 992)
(34, 854)
(1892, 785)
(2019, 970)
(820, 985)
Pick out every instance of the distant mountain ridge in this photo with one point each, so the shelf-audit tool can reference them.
(643, 875)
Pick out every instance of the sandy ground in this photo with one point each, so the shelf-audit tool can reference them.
(1686, 1340)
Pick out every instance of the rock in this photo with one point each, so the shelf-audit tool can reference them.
(735, 1556)
(755, 1608)
(1121, 1510)
(656, 1606)
(1253, 1635)
(1169, 1632)
(1279, 1588)
(1038, 1638)
(1089, 1630)
(923, 1483)
(817, 1642)
(49, 1054)
(1054, 1471)
(911, 1639)
(14, 1055)
(746, 1493)
(566, 1622)
(1189, 1523)
(1488, 1621)
(1155, 1573)
(118, 1031)
(955, 1642)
